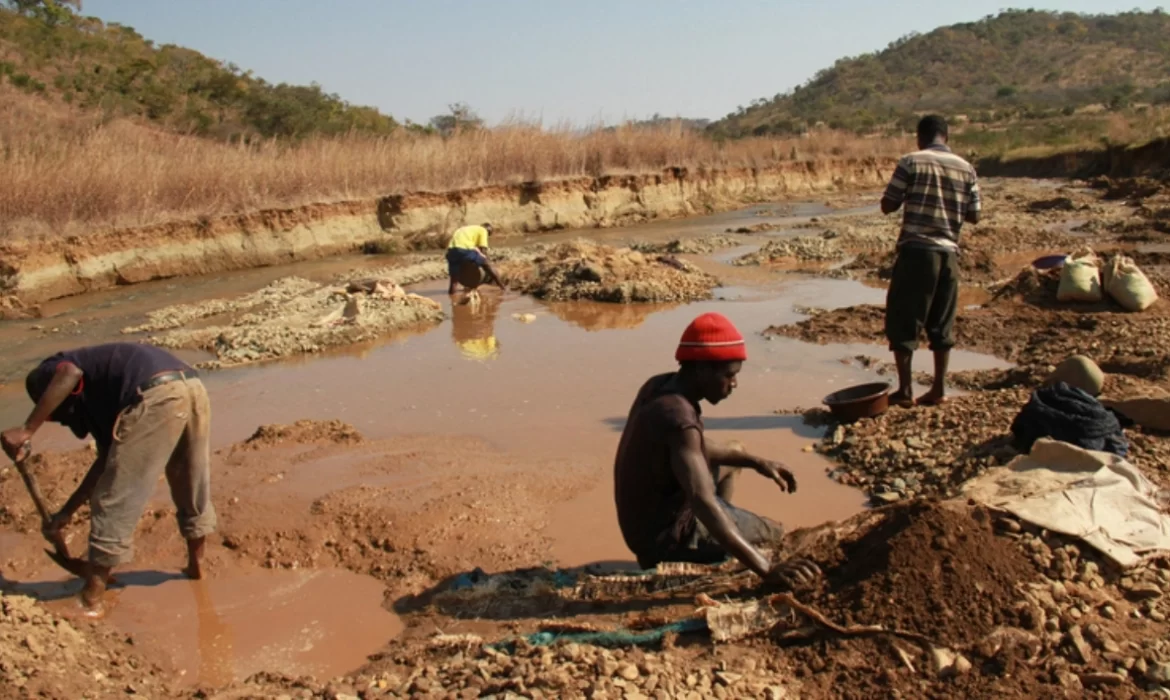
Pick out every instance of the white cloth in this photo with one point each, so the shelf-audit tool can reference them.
(1097, 497)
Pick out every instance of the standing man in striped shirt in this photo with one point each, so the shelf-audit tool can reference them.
(937, 191)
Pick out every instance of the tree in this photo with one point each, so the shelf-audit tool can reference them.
(51, 11)
(460, 118)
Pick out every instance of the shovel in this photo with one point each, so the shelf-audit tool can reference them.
(60, 552)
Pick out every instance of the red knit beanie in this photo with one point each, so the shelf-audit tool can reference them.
(711, 338)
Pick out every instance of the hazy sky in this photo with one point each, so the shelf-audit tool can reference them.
(552, 59)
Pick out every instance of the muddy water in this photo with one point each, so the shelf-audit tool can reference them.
(321, 623)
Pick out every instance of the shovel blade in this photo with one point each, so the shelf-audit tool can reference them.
(73, 565)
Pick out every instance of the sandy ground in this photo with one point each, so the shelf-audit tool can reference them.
(341, 534)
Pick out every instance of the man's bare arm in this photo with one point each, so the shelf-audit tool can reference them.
(889, 206)
(727, 454)
(64, 381)
(734, 455)
(689, 465)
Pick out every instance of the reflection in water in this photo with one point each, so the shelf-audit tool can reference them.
(473, 327)
(600, 316)
(215, 640)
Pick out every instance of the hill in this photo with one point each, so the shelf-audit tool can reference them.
(1020, 64)
(50, 51)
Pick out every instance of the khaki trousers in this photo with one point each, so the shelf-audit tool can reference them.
(169, 429)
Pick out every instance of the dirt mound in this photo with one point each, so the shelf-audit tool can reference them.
(303, 432)
(701, 245)
(13, 309)
(44, 655)
(930, 569)
(581, 270)
(1054, 204)
(1129, 189)
(292, 317)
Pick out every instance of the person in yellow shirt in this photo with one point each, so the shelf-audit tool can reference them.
(469, 244)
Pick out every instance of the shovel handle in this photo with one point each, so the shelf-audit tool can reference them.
(56, 538)
(34, 491)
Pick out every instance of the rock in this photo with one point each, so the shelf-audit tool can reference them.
(886, 497)
(1008, 525)
(1109, 612)
(1090, 680)
(1158, 673)
(628, 671)
(961, 665)
(1143, 591)
(1068, 679)
(34, 646)
(943, 658)
(1084, 653)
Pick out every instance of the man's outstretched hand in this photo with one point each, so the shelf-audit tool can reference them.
(779, 473)
(16, 443)
(795, 573)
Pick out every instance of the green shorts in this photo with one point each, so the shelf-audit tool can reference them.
(923, 294)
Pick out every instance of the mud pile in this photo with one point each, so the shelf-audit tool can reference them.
(585, 271)
(44, 655)
(291, 317)
(701, 245)
(926, 568)
(852, 236)
(333, 432)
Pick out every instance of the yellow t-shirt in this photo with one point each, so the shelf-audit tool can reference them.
(469, 237)
(480, 348)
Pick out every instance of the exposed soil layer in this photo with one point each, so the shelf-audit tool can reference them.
(39, 270)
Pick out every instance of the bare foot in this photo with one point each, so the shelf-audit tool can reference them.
(932, 398)
(194, 570)
(92, 604)
(904, 399)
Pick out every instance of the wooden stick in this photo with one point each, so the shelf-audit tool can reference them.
(56, 539)
(851, 631)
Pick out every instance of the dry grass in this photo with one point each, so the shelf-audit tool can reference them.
(68, 174)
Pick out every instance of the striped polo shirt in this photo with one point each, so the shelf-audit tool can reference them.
(936, 189)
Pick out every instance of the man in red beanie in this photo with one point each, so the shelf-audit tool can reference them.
(672, 485)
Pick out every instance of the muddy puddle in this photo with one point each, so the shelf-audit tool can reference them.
(213, 632)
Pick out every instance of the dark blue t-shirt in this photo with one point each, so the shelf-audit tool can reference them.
(111, 376)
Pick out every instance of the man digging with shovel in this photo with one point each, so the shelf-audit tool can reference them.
(149, 414)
